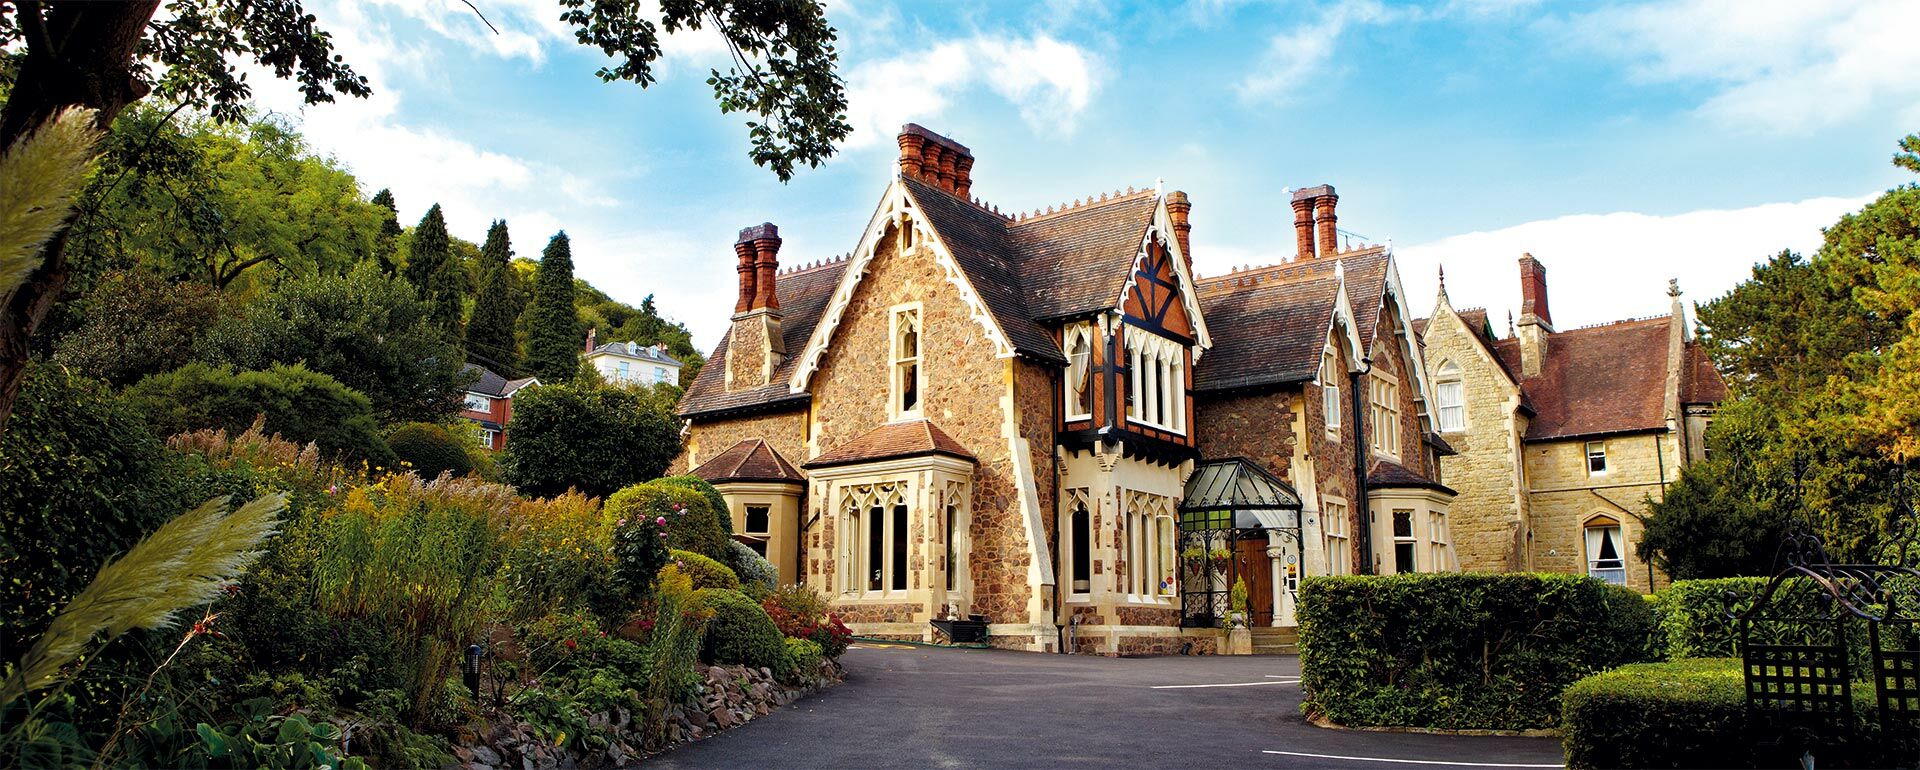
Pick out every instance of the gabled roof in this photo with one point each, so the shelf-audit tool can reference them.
(634, 350)
(1024, 272)
(1605, 379)
(803, 295)
(749, 460)
(493, 385)
(911, 438)
(1702, 383)
(1270, 324)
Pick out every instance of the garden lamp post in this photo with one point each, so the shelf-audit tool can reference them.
(470, 671)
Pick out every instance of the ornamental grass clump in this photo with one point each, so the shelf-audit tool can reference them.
(419, 558)
(559, 555)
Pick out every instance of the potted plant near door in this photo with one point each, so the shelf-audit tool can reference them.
(1239, 636)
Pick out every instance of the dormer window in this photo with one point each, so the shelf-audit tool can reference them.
(1330, 391)
(906, 381)
(1079, 371)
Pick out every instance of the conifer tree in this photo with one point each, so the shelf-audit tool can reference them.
(386, 244)
(553, 335)
(431, 270)
(490, 335)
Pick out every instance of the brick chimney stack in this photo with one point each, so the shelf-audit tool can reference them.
(1536, 324)
(754, 345)
(1313, 210)
(936, 160)
(746, 269)
(1302, 226)
(590, 340)
(1178, 207)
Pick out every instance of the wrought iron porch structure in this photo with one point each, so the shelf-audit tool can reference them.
(1226, 501)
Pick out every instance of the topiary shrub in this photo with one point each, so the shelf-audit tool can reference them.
(705, 572)
(1693, 713)
(1460, 651)
(806, 657)
(692, 523)
(757, 575)
(715, 500)
(578, 436)
(430, 449)
(740, 632)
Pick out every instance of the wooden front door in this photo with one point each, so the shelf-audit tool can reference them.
(1251, 563)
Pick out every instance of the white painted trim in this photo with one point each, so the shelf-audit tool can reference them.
(1225, 684)
(1161, 226)
(1415, 356)
(895, 204)
(1403, 761)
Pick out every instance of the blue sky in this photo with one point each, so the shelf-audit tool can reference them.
(1622, 144)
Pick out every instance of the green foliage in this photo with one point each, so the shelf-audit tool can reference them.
(553, 331)
(433, 273)
(560, 555)
(81, 479)
(758, 577)
(639, 549)
(419, 558)
(298, 404)
(386, 242)
(256, 738)
(692, 524)
(429, 449)
(740, 632)
(617, 320)
(1237, 596)
(1693, 713)
(705, 572)
(800, 612)
(805, 655)
(136, 324)
(199, 201)
(1460, 651)
(365, 329)
(716, 502)
(1710, 525)
(1694, 620)
(596, 440)
(496, 309)
(678, 633)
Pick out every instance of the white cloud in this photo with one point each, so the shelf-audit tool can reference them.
(1293, 57)
(1050, 81)
(1779, 66)
(1605, 267)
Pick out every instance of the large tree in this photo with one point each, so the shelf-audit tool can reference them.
(106, 55)
(586, 437)
(553, 328)
(386, 243)
(431, 270)
(496, 310)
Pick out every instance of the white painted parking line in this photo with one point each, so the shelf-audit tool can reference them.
(1227, 684)
(1283, 676)
(1404, 761)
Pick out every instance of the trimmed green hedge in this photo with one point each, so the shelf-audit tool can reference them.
(741, 632)
(1693, 713)
(1694, 623)
(806, 656)
(705, 572)
(1461, 651)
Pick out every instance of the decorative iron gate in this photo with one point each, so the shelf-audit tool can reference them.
(1227, 501)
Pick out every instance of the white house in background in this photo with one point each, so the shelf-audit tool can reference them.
(632, 362)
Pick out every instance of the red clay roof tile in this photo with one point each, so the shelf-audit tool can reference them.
(893, 440)
(749, 460)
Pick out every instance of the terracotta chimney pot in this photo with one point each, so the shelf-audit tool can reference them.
(744, 248)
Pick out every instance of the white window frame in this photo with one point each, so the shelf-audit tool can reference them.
(1408, 540)
(1589, 454)
(1384, 398)
(1166, 574)
(898, 364)
(1450, 395)
(1078, 499)
(487, 435)
(957, 518)
(1439, 543)
(1157, 392)
(1080, 344)
(858, 502)
(623, 371)
(486, 403)
(1597, 524)
(1330, 391)
(1336, 534)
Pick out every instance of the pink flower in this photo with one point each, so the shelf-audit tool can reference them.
(662, 521)
(621, 523)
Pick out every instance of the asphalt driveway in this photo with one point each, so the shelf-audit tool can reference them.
(907, 706)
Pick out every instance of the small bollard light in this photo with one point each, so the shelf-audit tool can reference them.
(471, 671)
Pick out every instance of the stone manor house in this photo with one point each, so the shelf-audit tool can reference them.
(1046, 421)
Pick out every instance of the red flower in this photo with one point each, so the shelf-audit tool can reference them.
(571, 644)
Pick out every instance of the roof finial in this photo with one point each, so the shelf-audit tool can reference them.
(1157, 184)
(1673, 288)
(1510, 332)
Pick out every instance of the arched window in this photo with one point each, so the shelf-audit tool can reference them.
(906, 362)
(1451, 398)
(1082, 533)
(1606, 551)
(1079, 370)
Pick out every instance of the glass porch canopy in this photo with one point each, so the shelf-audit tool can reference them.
(1234, 493)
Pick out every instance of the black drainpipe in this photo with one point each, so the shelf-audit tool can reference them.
(1059, 628)
(1360, 468)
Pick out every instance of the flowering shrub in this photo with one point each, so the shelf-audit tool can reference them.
(800, 612)
(639, 550)
(692, 523)
(559, 555)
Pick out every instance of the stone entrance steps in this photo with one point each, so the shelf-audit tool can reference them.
(1269, 640)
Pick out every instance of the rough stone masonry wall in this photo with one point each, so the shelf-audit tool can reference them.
(1564, 497)
(965, 385)
(785, 432)
(746, 354)
(1257, 426)
(1485, 520)
(1389, 357)
(1332, 455)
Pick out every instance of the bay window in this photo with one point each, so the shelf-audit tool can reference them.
(1157, 392)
